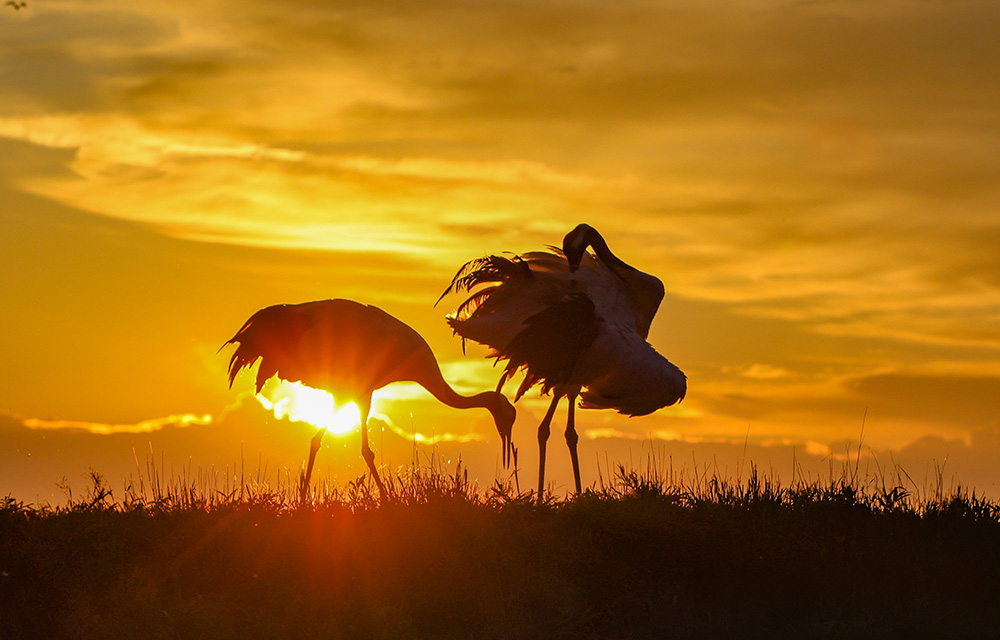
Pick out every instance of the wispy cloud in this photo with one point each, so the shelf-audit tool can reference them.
(428, 438)
(765, 372)
(144, 426)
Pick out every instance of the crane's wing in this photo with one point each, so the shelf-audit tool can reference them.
(510, 291)
(551, 343)
(529, 311)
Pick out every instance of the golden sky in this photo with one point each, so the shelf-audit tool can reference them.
(816, 183)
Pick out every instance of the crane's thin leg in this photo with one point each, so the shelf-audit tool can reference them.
(572, 438)
(543, 436)
(313, 448)
(367, 453)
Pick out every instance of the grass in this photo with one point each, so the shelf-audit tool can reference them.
(648, 553)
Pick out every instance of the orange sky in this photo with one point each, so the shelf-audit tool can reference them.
(816, 183)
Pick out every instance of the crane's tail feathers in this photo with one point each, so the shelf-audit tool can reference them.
(246, 354)
(244, 358)
(236, 336)
(240, 360)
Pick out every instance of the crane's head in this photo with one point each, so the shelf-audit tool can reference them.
(576, 242)
(504, 414)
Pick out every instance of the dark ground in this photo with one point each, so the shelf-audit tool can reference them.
(640, 561)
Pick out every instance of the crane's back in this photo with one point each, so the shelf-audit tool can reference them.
(347, 348)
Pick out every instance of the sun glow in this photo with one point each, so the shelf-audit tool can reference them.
(297, 402)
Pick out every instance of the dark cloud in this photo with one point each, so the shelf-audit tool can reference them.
(20, 160)
(637, 60)
(969, 401)
(530, 64)
(50, 80)
(77, 27)
(65, 61)
(165, 80)
(953, 462)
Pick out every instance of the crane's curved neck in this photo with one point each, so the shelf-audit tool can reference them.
(576, 242)
(600, 247)
(440, 389)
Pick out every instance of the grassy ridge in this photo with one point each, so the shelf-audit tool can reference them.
(641, 558)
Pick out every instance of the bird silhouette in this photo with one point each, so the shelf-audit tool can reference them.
(350, 350)
(576, 324)
(17, 5)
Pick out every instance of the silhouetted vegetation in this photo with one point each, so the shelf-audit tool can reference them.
(642, 556)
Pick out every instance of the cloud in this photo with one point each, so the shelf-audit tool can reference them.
(970, 400)
(952, 462)
(219, 189)
(427, 438)
(765, 372)
(800, 128)
(145, 426)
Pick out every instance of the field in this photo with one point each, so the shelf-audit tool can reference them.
(641, 556)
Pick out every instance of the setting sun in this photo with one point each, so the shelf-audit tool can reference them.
(297, 402)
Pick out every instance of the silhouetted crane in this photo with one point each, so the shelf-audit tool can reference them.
(350, 350)
(574, 322)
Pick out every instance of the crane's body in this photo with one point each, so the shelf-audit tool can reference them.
(350, 350)
(575, 324)
(340, 346)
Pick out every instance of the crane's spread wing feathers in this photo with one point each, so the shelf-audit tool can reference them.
(551, 343)
(486, 269)
(510, 291)
(528, 313)
(474, 301)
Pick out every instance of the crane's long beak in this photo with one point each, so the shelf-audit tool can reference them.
(508, 449)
